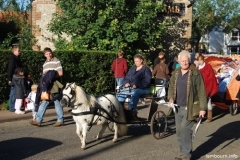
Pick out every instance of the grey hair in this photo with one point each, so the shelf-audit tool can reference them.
(186, 53)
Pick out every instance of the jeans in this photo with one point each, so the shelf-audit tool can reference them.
(12, 99)
(184, 132)
(135, 95)
(42, 109)
(119, 81)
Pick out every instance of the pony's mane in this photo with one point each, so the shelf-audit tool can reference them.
(82, 97)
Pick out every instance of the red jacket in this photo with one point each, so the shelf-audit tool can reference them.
(119, 67)
(209, 79)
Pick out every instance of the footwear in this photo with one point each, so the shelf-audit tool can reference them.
(35, 123)
(131, 115)
(26, 109)
(162, 101)
(19, 112)
(209, 116)
(12, 110)
(127, 100)
(58, 124)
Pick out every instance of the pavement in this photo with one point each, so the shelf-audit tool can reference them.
(7, 116)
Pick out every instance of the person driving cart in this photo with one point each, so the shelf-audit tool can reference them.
(136, 83)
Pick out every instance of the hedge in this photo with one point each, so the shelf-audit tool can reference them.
(89, 69)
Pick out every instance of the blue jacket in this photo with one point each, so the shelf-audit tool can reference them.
(141, 78)
(46, 82)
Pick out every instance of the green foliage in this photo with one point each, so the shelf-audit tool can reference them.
(6, 43)
(131, 25)
(4, 106)
(91, 70)
(16, 27)
(234, 23)
(14, 5)
(210, 13)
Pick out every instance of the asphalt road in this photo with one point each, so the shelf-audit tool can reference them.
(20, 140)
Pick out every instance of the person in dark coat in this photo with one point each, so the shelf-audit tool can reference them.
(28, 82)
(18, 82)
(13, 63)
(138, 79)
(172, 65)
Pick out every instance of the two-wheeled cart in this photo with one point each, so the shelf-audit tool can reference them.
(149, 113)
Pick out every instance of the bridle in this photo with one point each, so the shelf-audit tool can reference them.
(72, 92)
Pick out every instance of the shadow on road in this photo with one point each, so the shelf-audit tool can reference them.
(68, 120)
(134, 132)
(25, 147)
(229, 132)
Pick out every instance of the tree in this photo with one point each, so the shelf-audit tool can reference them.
(210, 13)
(109, 25)
(15, 5)
(15, 24)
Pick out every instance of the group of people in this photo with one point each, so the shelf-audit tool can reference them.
(190, 89)
(20, 82)
(23, 91)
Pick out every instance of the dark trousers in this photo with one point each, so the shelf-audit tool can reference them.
(184, 131)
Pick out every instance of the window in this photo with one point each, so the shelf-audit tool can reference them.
(235, 35)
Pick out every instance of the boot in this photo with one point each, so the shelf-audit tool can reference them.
(209, 116)
(131, 115)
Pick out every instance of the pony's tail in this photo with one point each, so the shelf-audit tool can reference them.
(122, 128)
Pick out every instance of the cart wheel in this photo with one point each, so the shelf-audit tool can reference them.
(233, 108)
(158, 124)
(111, 126)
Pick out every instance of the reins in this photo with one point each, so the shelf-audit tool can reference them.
(97, 111)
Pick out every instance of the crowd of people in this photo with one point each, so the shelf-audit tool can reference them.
(191, 85)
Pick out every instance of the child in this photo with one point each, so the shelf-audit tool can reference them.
(18, 82)
(28, 83)
(31, 100)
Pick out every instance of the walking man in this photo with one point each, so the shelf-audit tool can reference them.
(186, 89)
(13, 63)
(51, 64)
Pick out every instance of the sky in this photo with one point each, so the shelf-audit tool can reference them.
(23, 3)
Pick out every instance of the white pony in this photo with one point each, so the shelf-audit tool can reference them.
(88, 111)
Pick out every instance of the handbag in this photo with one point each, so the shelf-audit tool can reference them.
(45, 96)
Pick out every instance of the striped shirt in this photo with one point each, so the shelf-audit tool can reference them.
(53, 64)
